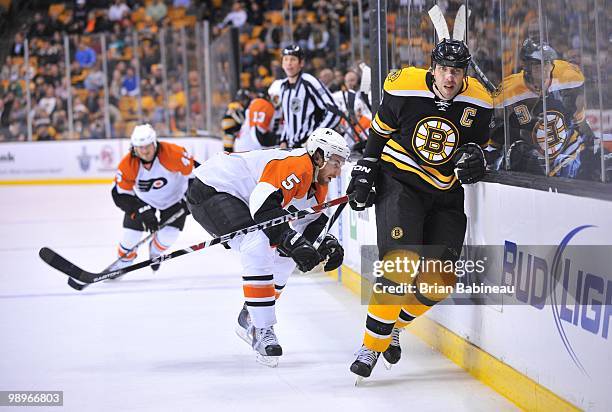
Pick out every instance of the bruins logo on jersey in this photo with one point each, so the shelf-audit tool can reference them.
(435, 139)
(556, 135)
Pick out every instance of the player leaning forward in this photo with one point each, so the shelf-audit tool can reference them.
(236, 190)
(424, 143)
(152, 176)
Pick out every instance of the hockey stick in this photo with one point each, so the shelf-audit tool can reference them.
(351, 122)
(65, 266)
(459, 28)
(328, 226)
(491, 88)
(74, 284)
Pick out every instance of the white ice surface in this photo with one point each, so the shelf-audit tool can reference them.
(166, 341)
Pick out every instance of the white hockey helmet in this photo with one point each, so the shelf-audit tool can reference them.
(143, 135)
(329, 141)
(274, 92)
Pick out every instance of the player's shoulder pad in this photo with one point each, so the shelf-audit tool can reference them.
(260, 104)
(513, 89)
(128, 166)
(409, 81)
(175, 158)
(566, 76)
(476, 93)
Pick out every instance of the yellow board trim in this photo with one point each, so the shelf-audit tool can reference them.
(56, 182)
(505, 380)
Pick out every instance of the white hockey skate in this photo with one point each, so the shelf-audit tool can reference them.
(394, 352)
(262, 340)
(120, 264)
(365, 362)
(265, 344)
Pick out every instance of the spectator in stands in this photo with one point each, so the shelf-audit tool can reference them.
(95, 79)
(79, 18)
(318, 41)
(5, 112)
(39, 27)
(85, 55)
(237, 17)
(177, 98)
(302, 32)
(18, 45)
(130, 83)
(119, 11)
(326, 76)
(255, 14)
(181, 3)
(157, 10)
(49, 101)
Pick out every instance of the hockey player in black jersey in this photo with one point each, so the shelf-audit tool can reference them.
(425, 142)
(519, 105)
(234, 118)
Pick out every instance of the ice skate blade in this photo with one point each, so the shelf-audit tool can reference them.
(269, 361)
(242, 334)
(388, 365)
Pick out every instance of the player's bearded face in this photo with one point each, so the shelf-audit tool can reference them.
(292, 65)
(146, 153)
(331, 170)
(448, 80)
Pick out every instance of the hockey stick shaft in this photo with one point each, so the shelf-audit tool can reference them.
(75, 284)
(63, 265)
(483, 78)
(329, 225)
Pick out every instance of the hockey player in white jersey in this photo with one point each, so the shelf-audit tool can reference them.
(236, 190)
(152, 176)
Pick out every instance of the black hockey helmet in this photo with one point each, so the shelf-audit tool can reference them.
(450, 52)
(532, 51)
(243, 97)
(293, 50)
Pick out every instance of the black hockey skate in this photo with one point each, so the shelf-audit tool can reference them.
(365, 362)
(394, 352)
(153, 254)
(244, 324)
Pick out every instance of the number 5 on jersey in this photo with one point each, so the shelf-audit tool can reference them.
(290, 181)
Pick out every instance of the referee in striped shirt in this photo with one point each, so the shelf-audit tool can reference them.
(304, 99)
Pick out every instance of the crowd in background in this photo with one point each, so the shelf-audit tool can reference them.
(134, 65)
(135, 79)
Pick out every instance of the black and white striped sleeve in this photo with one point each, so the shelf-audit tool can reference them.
(322, 98)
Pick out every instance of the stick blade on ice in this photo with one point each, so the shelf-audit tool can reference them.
(60, 263)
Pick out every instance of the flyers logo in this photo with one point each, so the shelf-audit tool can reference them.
(146, 185)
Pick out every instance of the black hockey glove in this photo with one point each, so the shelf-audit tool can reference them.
(362, 181)
(470, 163)
(146, 216)
(331, 249)
(295, 246)
(524, 157)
